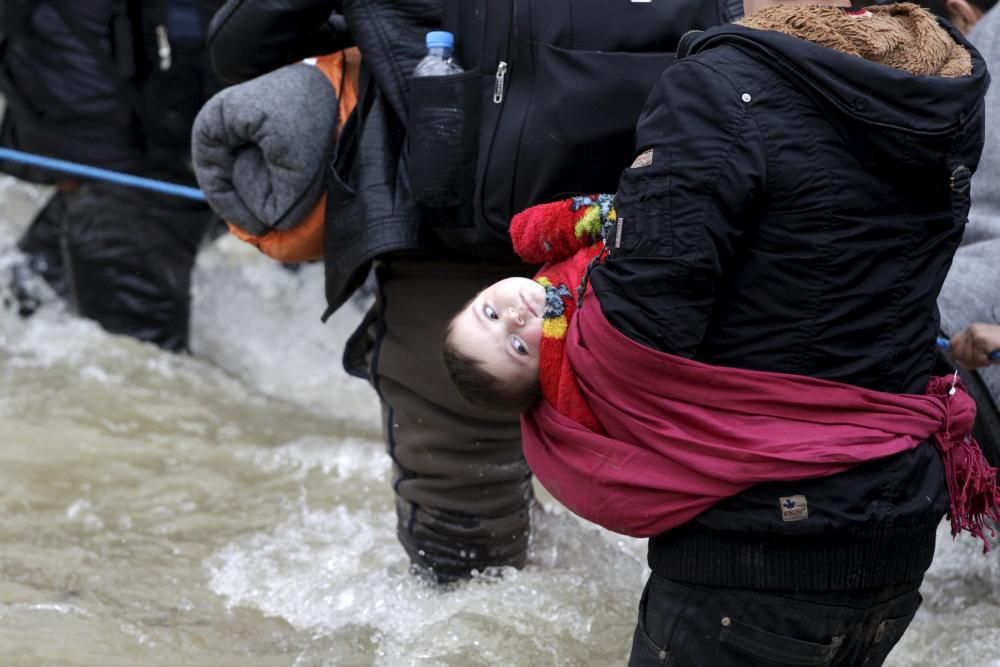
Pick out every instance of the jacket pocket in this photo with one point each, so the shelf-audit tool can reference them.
(443, 139)
(339, 206)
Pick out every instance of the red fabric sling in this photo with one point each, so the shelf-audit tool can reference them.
(682, 435)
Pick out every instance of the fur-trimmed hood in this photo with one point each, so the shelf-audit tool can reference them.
(901, 36)
(893, 73)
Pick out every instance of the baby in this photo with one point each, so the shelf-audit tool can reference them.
(677, 441)
(504, 349)
(493, 345)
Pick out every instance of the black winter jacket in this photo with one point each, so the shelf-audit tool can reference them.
(111, 83)
(371, 210)
(795, 210)
(65, 80)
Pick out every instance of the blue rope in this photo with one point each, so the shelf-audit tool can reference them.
(945, 343)
(87, 171)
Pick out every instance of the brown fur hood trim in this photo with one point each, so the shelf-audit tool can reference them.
(903, 36)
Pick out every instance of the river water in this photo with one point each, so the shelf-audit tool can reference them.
(233, 507)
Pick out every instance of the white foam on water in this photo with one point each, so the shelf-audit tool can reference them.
(337, 571)
(348, 458)
(958, 624)
(20, 200)
(261, 322)
(62, 609)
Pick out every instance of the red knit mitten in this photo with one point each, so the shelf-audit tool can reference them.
(554, 231)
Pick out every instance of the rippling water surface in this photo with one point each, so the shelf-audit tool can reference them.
(233, 507)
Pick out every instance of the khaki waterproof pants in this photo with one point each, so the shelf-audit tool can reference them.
(462, 486)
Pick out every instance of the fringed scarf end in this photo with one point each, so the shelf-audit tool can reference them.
(972, 485)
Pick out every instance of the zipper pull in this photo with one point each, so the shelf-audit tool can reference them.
(163, 47)
(498, 84)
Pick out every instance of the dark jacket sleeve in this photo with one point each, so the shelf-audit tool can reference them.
(250, 37)
(683, 207)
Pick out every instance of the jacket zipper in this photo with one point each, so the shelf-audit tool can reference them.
(498, 82)
(163, 48)
(501, 84)
(680, 43)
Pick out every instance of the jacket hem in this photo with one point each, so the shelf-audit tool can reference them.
(838, 560)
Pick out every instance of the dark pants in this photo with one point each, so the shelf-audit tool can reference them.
(462, 486)
(698, 626)
(122, 257)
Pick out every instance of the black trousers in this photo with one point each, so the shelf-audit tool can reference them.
(683, 625)
(462, 485)
(122, 257)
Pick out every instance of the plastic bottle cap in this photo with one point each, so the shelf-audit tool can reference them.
(440, 38)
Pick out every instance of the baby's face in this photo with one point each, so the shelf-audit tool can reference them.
(502, 328)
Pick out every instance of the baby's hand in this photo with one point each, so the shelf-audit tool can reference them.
(556, 230)
(977, 345)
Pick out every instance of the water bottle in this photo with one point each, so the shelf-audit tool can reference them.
(438, 61)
